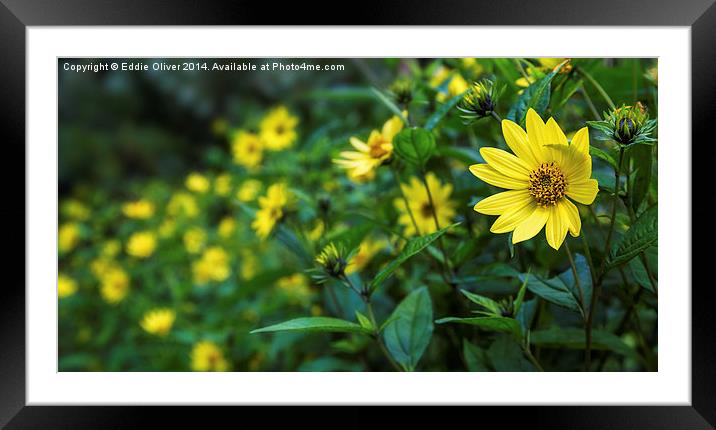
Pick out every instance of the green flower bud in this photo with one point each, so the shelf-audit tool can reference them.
(332, 260)
(479, 101)
(402, 91)
(627, 122)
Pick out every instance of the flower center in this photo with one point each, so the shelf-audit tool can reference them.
(376, 148)
(547, 184)
(426, 210)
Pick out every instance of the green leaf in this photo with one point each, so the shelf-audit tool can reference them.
(485, 302)
(389, 104)
(596, 152)
(442, 111)
(573, 338)
(409, 336)
(314, 324)
(521, 295)
(414, 145)
(639, 271)
(498, 324)
(413, 247)
(364, 321)
(642, 234)
(585, 281)
(641, 157)
(536, 96)
(507, 356)
(553, 290)
(466, 155)
(475, 357)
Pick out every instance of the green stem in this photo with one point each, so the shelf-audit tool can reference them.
(405, 199)
(588, 99)
(496, 117)
(433, 210)
(532, 358)
(588, 255)
(376, 335)
(574, 272)
(599, 88)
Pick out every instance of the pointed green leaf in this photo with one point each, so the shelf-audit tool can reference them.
(442, 111)
(364, 321)
(407, 338)
(475, 357)
(498, 324)
(573, 337)
(314, 324)
(485, 302)
(642, 234)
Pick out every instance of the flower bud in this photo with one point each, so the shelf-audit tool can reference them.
(479, 101)
(627, 122)
(332, 260)
(402, 91)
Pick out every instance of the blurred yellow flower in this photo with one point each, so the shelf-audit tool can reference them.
(212, 266)
(68, 236)
(66, 286)
(366, 251)
(101, 265)
(360, 164)
(247, 149)
(316, 232)
(248, 190)
(142, 244)
(248, 264)
(182, 203)
(197, 183)
(455, 85)
(544, 171)
(111, 248)
(545, 65)
(194, 240)
(277, 129)
(158, 321)
(419, 211)
(75, 209)
(139, 209)
(222, 184)
(227, 226)
(207, 357)
(167, 228)
(271, 209)
(114, 285)
(473, 66)
(296, 288)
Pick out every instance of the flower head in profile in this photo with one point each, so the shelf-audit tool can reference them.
(278, 129)
(197, 183)
(142, 244)
(66, 286)
(420, 212)
(247, 149)
(332, 261)
(479, 101)
(361, 163)
(139, 209)
(114, 285)
(271, 209)
(158, 321)
(542, 176)
(207, 357)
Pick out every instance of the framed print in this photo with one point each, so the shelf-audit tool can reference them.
(359, 215)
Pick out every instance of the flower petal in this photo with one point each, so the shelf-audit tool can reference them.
(584, 191)
(506, 163)
(570, 213)
(509, 220)
(536, 129)
(493, 177)
(555, 133)
(532, 225)
(359, 145)
(575, 165)
(516, 139)
(502, 202)
(580, 141)
(557, 226)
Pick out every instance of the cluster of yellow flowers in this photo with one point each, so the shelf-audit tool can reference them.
(277, 131)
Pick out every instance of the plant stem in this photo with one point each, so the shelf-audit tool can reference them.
(588, 255)
(496, 116)
(433, 210)
(405, 199)
(532, 358)
(376, 334)
(574, 272)
(599, 88)
(588, 99)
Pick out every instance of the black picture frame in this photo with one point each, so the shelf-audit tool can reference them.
(16, 15)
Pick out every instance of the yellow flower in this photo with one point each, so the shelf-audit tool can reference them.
(114, 285)
(66, 286)
(296, 288)
(227, 226)
(111, 248)
(197, 183)
(421, 209)
(544, 171)
(68, 236)
(316, 232)
(456, 84)
(207, 357)
(182, 203)
(366, 251)
(271, 209)
(472, 66)
(101, 265)
(247, 149)
(212, 266)
(142, 244)
(194, 240)
(222, 184)
(361, 164)
(140, 209)
(277, 129)
(248, 264)
(158, 321)
(547, 64)
(75, 209)
(167, 228)
(248, 190)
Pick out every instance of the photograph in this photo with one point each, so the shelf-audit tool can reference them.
(357, 214)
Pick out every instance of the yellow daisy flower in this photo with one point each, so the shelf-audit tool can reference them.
(140, 209)
(361, 164)
(207, 357)
(366, 251)
(419, 208)
(114, 285)
(248, 190)
(544, 171)
(158, 321)
(197, 183)
(142, 244)
(247, 149)
(66, 286)
(68, 236)
(271, 209)
(277, 129)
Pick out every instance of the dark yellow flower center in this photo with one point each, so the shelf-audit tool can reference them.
(376, 148)
(426, 210)
(547, 184)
